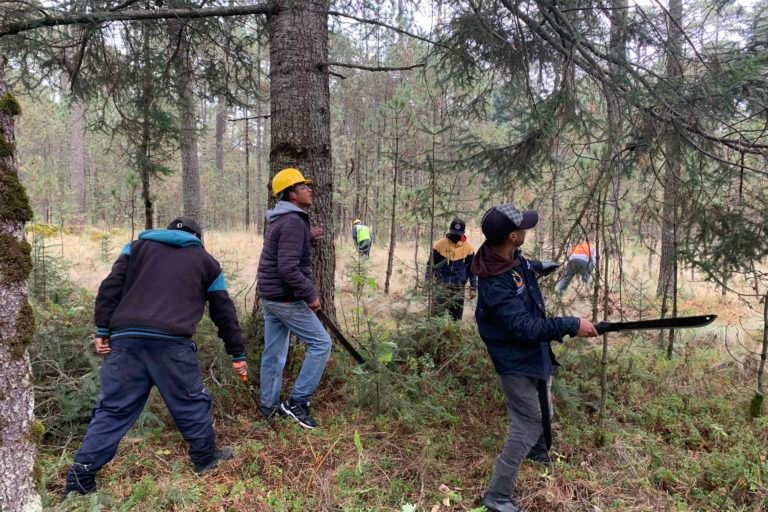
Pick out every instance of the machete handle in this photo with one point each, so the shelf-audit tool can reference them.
(603, 327)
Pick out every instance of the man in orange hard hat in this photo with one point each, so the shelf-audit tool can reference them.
(289, 299)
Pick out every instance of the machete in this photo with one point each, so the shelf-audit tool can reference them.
(681, 322)
(339, 336)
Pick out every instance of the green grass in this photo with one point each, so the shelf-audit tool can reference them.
(423, 432)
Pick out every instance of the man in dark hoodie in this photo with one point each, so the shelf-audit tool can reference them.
(146, 313)
(288, 299)
(450, 268)
(512, 322)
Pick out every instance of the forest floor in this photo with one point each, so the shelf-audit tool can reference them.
(421, 433)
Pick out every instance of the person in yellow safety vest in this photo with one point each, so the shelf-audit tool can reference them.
(581, 262)
(361, 235)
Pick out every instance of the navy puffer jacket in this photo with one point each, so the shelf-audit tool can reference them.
(511, 317)
(285, 266)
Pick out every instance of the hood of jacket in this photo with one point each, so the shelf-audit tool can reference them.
(174, 237)
(283, 208)
(488, 263)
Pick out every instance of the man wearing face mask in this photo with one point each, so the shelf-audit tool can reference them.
(450, 268)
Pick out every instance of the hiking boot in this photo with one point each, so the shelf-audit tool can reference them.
(542, 457)
(299, 412)
(80, 480)
(508, 506)
(223, 453)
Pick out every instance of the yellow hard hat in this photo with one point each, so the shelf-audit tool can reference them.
(287, 178)
(357, 221)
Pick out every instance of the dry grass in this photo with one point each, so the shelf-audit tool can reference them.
(286, 468)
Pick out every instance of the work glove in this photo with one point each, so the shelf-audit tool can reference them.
(547, 267)
(240, 367)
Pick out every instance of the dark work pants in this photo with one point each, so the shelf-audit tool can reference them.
(524, 408)
(364, 249)
(449, 298)
(127, 376)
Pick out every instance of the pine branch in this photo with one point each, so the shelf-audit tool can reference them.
(56, 20)
(373, 68)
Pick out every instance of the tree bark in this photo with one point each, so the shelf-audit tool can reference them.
(19, 430)
(190, 167)
(300, 110)
(221, 127)
(672, 151)
(393, 218)
(77, 158)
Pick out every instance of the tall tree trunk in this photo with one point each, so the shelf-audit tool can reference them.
(18, 429)
(221, 127)
(758, 400)
(247, 171)
(393, 219)
(77, 158)
(190, 167)
(145, 156)
(300, 109)
(672, 150)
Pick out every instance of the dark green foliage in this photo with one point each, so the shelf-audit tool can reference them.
(756, 406)
(728, 240)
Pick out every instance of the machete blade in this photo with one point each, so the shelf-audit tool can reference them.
(681, 322)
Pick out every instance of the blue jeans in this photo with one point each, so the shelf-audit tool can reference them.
(280, 319)
(127, 375)
(573, 268)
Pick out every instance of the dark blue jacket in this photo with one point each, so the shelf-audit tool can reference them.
(285, 265)
(158, 288)
(511, 317)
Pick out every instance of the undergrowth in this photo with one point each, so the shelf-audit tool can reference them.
(417, 428)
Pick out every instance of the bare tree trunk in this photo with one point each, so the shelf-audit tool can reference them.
(672, 156)
(300, 110)
(77, 158)
(190, 167)
(19, 430)
(221, 127)
(393, 219)
(247, 171)
(756, 408)
(145, 165)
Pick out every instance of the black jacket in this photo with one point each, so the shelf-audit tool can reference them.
(158, 288)
(285, 266)
(511, 317)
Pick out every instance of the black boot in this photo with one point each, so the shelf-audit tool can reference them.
(223, 453)
(539, 452)
(80, 480)
(498, 496)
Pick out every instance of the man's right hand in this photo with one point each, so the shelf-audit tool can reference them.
(314, 305)
(102, 346)
(586, 329)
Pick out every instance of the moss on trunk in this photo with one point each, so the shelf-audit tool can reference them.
(14, 203)
(15, 260)
(25, 329)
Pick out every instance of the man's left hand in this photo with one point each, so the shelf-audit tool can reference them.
(241, 369)
(472, 294)
(317, 232)
(102, 346)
